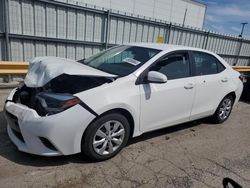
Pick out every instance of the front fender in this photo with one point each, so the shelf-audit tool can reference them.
(134, 113)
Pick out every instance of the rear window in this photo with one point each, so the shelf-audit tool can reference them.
(205, 64)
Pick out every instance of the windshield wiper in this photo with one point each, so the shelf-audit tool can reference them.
(81, 61)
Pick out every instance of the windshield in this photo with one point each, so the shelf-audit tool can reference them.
(121, 60)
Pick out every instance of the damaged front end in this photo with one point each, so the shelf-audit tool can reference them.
(58, 94)
(50, 88)
(51, 83)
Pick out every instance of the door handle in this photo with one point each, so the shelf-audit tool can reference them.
(189, 86)
(224, 80)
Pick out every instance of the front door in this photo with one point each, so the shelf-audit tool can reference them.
(168, 103)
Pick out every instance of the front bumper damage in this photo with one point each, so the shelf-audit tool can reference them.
(58, 134)
(38, 132)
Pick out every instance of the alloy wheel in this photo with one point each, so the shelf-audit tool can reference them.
(109, 137)
(225, 108)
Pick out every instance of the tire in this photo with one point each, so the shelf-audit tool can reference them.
(105, 137)
(224, 110)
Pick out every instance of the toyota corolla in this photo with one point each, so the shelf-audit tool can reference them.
(97, 104)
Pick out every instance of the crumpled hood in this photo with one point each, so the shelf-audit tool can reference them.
(44, 69)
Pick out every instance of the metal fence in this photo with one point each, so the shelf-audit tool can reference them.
(30, 28)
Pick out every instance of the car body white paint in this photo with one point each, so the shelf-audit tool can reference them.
(144, 102)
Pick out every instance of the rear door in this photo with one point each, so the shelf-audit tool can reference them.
(211, 82)
(168, 103)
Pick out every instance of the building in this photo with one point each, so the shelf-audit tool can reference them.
(168, 10)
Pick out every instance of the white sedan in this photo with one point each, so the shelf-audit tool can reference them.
(95, 105)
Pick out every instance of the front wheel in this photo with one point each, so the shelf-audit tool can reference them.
(105, 137)
(224, 109)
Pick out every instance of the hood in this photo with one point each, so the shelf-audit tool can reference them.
(43, 69)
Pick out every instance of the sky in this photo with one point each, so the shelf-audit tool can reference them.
(225, 16)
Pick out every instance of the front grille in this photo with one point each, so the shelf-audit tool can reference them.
(18, 135)
(13, 121)
(47, 143)
(14, 125)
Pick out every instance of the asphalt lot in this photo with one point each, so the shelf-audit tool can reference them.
(196, 154)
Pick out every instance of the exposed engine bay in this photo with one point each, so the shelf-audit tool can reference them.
(64, 85)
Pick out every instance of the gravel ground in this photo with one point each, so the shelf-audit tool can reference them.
(196, 154)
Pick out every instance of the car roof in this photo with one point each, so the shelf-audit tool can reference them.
(166, 47)
(170, 47)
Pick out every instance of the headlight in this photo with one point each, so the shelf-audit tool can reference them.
(52, 103)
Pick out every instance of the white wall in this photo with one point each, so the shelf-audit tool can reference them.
(169, 10)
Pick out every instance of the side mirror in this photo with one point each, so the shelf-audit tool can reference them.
(156, 77)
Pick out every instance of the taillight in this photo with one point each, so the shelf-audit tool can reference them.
(242, 78)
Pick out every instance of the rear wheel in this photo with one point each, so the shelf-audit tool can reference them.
(224, 109)
(105, 137)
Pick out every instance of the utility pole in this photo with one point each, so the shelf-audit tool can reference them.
(184, 19)
(240, 43)
(6, 26)
(183, 24)
(242, 29)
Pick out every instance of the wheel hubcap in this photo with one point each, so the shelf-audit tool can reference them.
(108, 137)
(225, 108)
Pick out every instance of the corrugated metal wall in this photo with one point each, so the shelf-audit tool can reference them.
(39, 29)
(51, 28)
(169, 10)
(1, 17)
(1, 29)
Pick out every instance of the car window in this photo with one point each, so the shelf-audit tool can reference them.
(205, 64)
(220, 67)
(174, 66)
(121, 60)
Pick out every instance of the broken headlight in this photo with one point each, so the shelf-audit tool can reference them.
(52, 103)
